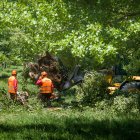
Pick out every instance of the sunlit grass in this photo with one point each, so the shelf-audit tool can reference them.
(69, 124)
(34, 122)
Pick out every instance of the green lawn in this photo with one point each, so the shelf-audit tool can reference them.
(32, 122)
(68, 124)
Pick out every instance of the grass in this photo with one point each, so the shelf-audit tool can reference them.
(5, 73)
(33, 122)
(68, 124)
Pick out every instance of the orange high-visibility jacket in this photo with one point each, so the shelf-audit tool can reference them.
(46, 85)
(12, 84)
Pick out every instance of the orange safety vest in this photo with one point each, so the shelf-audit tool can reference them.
(47, 86)
(11, 88)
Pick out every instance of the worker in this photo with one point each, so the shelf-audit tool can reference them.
(12, 85)
(46, 89)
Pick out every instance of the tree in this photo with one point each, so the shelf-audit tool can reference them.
(90, 33)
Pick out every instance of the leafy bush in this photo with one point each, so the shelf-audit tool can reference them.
(93, 93)
(103, 105)
(123, 103)
(93, 89)
(126, 103)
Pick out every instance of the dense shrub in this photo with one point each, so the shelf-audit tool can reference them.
(93, 89)
(93, 92)
(123, 103)
(127, 103)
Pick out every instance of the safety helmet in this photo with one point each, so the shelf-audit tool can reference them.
(14, 72)
(44, 73)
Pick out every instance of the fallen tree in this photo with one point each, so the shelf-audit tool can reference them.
(62, 77)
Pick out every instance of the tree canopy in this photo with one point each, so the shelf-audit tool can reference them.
(93, 33)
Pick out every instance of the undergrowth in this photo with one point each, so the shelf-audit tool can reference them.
(87, 112)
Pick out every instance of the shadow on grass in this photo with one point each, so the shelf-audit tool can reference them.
(75, 129)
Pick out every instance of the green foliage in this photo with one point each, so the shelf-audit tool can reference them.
(94, 34)
(68, 124)
(4, 74)
(121, 104)
(93, 92)
(90, 33)
(93, 89)
(4, 100)
(134, 66)
(125, 104)
(27, 85)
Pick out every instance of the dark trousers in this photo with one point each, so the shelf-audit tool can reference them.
(45, 99)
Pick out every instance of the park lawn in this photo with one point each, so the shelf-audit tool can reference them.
(36, 123)
(72, 124)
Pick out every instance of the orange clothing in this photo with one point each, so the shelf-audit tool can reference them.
(12, 84)
(46, 85)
